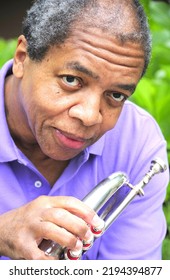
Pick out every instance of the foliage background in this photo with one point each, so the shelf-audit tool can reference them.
(153, 91)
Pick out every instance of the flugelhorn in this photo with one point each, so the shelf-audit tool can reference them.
(97, 199)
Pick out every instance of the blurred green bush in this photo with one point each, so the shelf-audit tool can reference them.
(153, 91)
(7, 48)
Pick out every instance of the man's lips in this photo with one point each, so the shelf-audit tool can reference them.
(70, 141)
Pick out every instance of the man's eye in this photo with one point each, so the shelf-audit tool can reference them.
(118, 97)
(71, 81)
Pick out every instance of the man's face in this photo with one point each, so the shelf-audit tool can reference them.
(76, 94)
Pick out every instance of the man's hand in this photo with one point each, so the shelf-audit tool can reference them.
(61, 219)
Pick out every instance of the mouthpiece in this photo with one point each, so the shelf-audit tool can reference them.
(158, 165)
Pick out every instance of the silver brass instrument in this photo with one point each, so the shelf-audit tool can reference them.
(97, 199)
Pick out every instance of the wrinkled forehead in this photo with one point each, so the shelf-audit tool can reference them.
(93, 47)
(118, 21)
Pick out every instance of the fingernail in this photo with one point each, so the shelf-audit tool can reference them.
(97, 221)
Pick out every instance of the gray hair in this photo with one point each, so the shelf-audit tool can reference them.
(51, 22)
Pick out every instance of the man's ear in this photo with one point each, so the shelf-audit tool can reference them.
(20, 57)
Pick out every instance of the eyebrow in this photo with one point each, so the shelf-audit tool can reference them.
(74, 65)
(129, 87)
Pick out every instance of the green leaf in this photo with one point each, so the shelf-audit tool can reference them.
(7, 49)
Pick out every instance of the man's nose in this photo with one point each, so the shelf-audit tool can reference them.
(88, 111)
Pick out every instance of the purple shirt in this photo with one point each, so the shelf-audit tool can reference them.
(129, 147)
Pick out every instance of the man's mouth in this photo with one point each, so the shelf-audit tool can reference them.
(70, 141)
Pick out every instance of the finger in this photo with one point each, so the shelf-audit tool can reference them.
(32, 252)
(76, 207)
(60, 236)
(70, 222)
(26, 248)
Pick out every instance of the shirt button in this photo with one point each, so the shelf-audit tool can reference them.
(38, 184)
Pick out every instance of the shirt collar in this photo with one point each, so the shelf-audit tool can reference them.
(97, 148)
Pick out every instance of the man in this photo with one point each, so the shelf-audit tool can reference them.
(66, 125)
